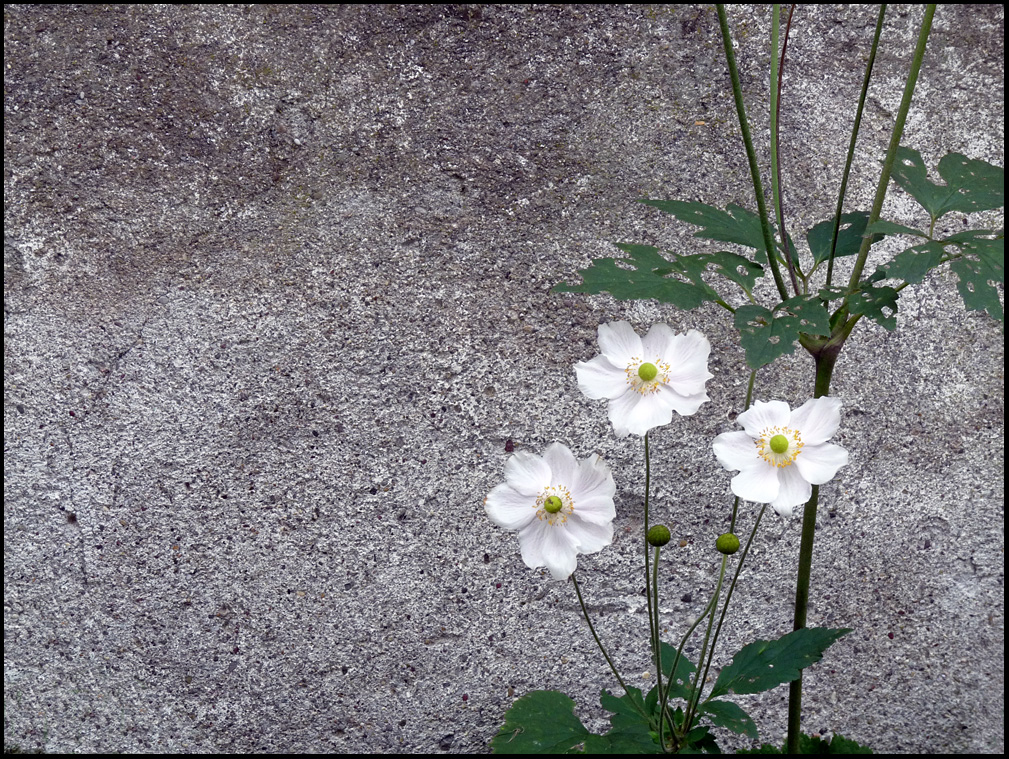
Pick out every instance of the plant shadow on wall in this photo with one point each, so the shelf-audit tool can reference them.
(562, 507)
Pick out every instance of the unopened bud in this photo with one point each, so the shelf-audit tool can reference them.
(727, 544)
(658, 535)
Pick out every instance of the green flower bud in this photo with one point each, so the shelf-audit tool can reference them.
(553, 504)
(779, 444)
(658, 535)
(727, 544)
(648, 372)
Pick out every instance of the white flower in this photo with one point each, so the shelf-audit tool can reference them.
(783, 453)
(560, 507)
(646, 379)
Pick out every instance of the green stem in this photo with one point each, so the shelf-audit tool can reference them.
(777, 79)
(702, 668)
(851, 144)
(751, 156)
(824, 372)
(592, 629)
(891, 152)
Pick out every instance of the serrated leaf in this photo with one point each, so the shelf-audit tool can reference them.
(849, 236)
(735, 224)
(766, 664)
(971, 185)
(878, 303)
(982, 265)
(541, 722)
(767, 334)
(679, 686)
(729, 715)
(629, 733)
(893, 228)
(913, 264)
(649, 276)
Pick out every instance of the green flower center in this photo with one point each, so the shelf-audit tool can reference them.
(779, 444)
(553, 504)
(648, 372)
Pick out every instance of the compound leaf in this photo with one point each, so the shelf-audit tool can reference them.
(648, 275)
(971, 185)
(849, 236)
(766, 664)
(768, 334)
(541, 722)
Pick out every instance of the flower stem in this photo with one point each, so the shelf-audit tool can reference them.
(851, 144)
(777, 72)
(891, 151)
(751, 156)
(592, 629)
(824, 371)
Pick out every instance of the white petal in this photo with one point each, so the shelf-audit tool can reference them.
(590, 537)
(794, 491)
(657, 342)
(736, 451)
(684, 405)
(817, 419)
(562, 463)
(527, 473)
(593, 483)
(508, 508)
(599, 378)
(619, 343)
(819, 463)
(688, 358)
(636, 413)
(543, 545)
(757, 483)
(762, 415)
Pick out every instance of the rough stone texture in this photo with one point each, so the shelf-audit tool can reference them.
(276, 298)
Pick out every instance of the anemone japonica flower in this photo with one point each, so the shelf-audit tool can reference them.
(783, 453)
(646, 378)
(559, 507)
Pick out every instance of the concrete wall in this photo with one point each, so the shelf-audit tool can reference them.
(277, 296)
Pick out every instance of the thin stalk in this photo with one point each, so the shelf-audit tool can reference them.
(891, 152)
(735, 577)
(777, 73)
(592, 629)
(851, 143)
(824, 372)
(751, 156)
(695, 695)
(653, 612)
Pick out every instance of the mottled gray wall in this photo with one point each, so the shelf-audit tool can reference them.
(276, 294)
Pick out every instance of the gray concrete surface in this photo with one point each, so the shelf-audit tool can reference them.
(277, 296)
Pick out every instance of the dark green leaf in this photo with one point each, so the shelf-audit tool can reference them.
(913, 264)
(766, 335)
(735, 224)
(630, 732)
(766, 664)
(700, 741)
(970, 185)
(878, 303)
(849, 236)
(541, 722)
(982, 265)
(679, 686)
(892, 228)
(644, 274)
(729, 715)
(813, 744)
